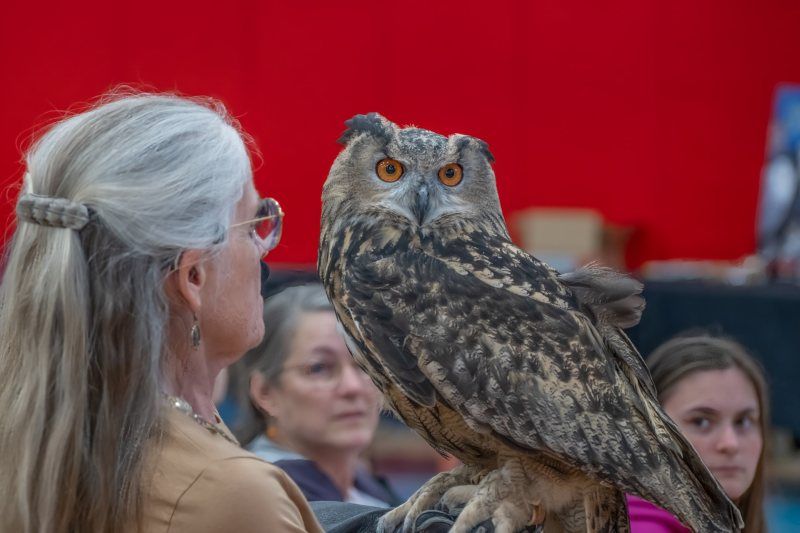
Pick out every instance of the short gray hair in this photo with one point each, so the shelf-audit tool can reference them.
(82, 306)
(281, 317)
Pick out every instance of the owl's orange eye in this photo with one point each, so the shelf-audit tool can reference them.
(389, 169)
(451, 174)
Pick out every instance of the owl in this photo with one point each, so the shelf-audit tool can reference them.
(522, 373)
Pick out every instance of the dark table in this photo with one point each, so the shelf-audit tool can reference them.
(764, 318)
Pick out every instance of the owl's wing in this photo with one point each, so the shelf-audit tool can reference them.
(494, 334)
(354, 285)
(613, 300)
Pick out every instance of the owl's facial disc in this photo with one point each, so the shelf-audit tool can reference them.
(424, 202)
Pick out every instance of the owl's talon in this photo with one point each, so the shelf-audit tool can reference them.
(538, 515)
(454, 500)
(392, 522)
(502, 497)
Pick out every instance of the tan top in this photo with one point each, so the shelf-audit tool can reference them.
(201, 483)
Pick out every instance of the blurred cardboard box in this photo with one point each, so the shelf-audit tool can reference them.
(567, 238)
(561, 237)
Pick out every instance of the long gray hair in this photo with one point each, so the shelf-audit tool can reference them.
(281, 314)
(83, 312)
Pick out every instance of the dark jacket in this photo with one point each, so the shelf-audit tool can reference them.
(317, 486)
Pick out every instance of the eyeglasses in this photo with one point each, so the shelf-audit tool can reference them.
(326, 374)
(268, 224)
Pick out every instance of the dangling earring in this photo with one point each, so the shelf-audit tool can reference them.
(272, 432)
(195, 333)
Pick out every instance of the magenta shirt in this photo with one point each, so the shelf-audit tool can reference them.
(648, 518)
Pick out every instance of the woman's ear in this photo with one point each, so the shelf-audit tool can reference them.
(261, 394)
(188, 279)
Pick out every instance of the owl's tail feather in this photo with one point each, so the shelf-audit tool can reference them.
(612, 296)
(606, 511)
(603, 510)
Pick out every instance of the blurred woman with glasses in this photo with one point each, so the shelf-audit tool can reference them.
(132, 279)
(305, 405)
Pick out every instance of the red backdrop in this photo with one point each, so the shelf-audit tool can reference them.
(655, 113)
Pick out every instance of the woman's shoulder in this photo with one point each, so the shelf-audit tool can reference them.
(646, 517)
(242, 493)
(202, 482)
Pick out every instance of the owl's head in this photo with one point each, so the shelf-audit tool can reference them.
(412, 173)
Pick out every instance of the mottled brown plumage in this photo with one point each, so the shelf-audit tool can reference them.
(492, 356)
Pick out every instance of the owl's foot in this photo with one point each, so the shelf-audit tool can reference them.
(505, 498)
(454, 500)
(450, 484)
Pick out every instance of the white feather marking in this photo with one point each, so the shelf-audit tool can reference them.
(346, 242)
(488, 279)
(520, 290)
(539, 297)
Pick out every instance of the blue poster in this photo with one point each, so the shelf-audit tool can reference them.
(779, 206)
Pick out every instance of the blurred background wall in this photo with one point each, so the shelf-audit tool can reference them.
(653, 113)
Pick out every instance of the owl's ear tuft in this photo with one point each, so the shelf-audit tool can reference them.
(371, 123)
(466, 142)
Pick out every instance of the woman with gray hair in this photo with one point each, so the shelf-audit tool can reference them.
(305, 405)
(132, 279)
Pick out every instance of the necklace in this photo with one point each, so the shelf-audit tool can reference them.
(183, 406)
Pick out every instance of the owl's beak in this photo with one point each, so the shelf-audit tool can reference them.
(420, 205)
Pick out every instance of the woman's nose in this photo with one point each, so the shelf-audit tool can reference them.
(728, 439)
(353, 379)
